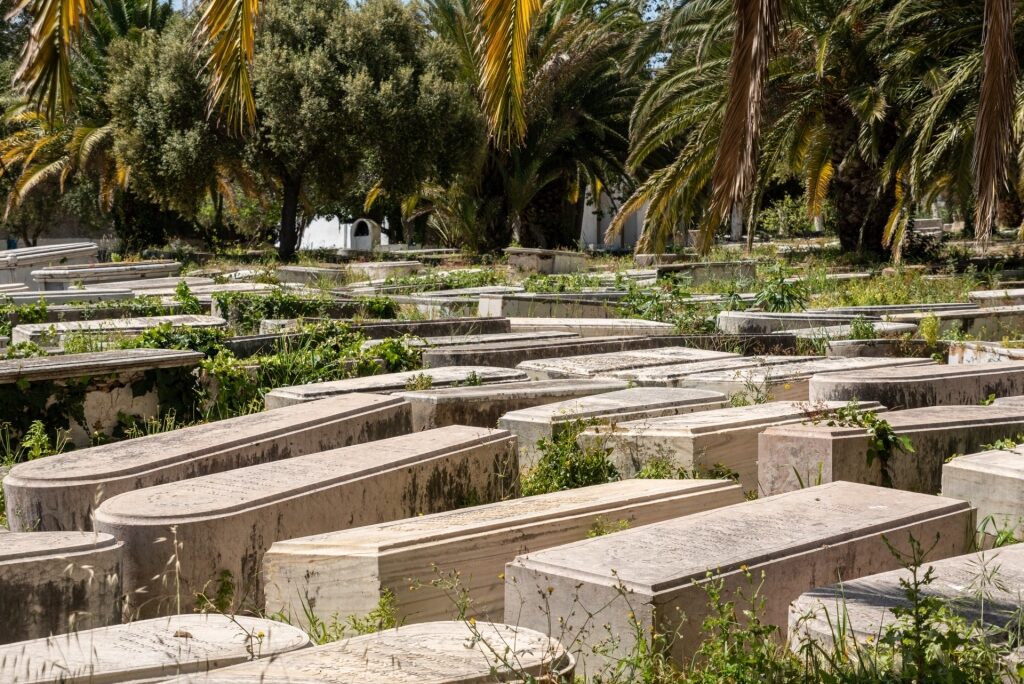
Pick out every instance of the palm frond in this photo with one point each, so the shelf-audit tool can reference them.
(227, 28)
(505, 32)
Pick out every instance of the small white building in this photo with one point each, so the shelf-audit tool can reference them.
(597, 219)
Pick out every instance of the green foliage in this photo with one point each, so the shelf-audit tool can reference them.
(188, 303)
(208, 341)
(563, 464)
(398, 354)
(223, 596)
(928, 329)
(379, 307)
(778, 294)
(324, 631)
(663, 468)
(883, 442)
(24, 350)
(788, 217)
(862, 329)
(602, 526)
(244, 310)
(565, 282)
(420, 381)
(11, 315)
(449, 280)
(34, 443)
(383, 616)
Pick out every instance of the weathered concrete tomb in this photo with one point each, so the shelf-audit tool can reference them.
(675, 374)
(823, 453)
(993, 482)
(51, 334)
(593, 589)
(225, 522)
(66, 276)
(16, 265)
(148, 650)
(60, 492)
(548, 420)
(428, 653)
(346, 572)
(57, 582)
(390, 382)
(591, 365)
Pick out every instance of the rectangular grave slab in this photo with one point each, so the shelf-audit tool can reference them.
(676, 374)
(993, 482)
(988, 323)
(788, 381)
(434, 328)
(57, 582)
(883, 329)
(148, 650)
(49, 334)
(594, 327)
(884, 310)
(549, 420)
(16, 265)
(87, 394)
(737, 322)
(656, 574)
(60, 492)
(389, 382)
(52, 298)
(864, 606)
(65, 277)
(482, 406)
(920, 386)
(345, 572)
(549, 261)
(590, 365)
(534, 305)
(145, 286)
(1006, 297)
(826, 454)
(511, 354)
(435, 652)
(225, 522)
(706, 271)
(704, 441)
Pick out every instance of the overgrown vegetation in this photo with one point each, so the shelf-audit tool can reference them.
(564, 464)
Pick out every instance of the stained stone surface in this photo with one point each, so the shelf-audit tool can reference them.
(987, 323)
(704, 271)
(389, 382)
(428, 653)
(147, 650)
(737, 322)
(703, 441)
(590, 365)
(675, 374)
(594, 327)
(511, 354)
(791, 380)
(345, 572)
(146, 285)
(225, 522)
(64, 276)
(920, 386)
(16, 265)
(823, 453)
(47, 333)
(864, 606)
(637, 403)
(60, 492)
(56, 582)
(832, 332)
(798, 540)
(39, 368)
(993, 481)
(1007, 297)
(483, 405)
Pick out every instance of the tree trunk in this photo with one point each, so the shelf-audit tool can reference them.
(860, 213)
(289, 235)
(736, 222)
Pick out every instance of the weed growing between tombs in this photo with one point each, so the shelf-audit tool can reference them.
(883, 442)
(564, 464)
(33, 443)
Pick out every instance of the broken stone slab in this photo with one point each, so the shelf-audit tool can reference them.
(511, 354)
(698, 272)
(57, 582)
(549, 420)
(482, 406)
(224, 523)
(549, 261)
(920, 386)
(148, 650)
(788, 381)
(60, 492)
(594, 327)
(591, 365)
(391, 382)
(993, 482)
(452, 652)
(657, 574)
(994, 322)
(739, 322)
(345, 573)
(47, 334)
(675, 374)
(823, 453)
(89, 394)
(861, 609)
(16, 265)
(65, 277)
(717, 440)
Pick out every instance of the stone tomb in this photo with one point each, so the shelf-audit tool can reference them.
(225, 522)
(750, 322)
(675, 374)
(88, 392)
(548, 420)
(390, 382)
(51, 334)
(820, 453)
(65, 277)
(549, 261)
(704, 441)
(590, 365)
(429, 653)
(656, 574)
(148, 650)
(699, 272)
(989, 323)
(345, 572)
(919, 386)
(791, 380)
(993, 481)
(864, 606)
(57, 582)
(16, 265)
(594, 327)
(483, 405)
(59, 492)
